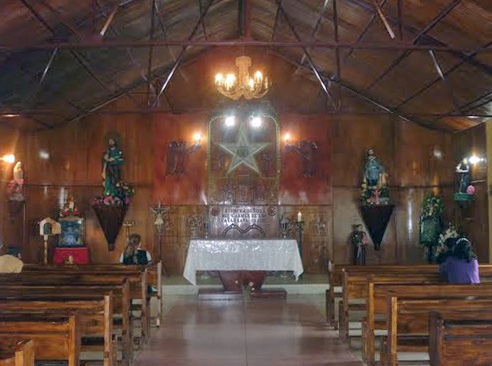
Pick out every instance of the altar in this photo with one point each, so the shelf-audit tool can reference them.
(242, 255)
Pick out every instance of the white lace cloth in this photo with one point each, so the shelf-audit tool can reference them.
(242, 255)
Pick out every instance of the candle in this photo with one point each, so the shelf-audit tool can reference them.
(299, 217)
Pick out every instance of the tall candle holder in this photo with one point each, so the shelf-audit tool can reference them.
(284, 226)
(300, 225)
(206, 226)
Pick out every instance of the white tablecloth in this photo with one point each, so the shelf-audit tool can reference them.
(242, 255)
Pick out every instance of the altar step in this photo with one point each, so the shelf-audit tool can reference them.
(307, 285)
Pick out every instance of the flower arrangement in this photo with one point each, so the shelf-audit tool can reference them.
(123, 196)
(432, 206)
(450, 232)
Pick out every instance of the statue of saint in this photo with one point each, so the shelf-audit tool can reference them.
(375, 181)
(111, 162)
(463, 169)
(359, 244)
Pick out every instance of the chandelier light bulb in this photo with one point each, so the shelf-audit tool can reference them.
(230, 81)
(258, 77)
(219, 79)
(251, 84)
(229, 121)
(256, 122)
(287, 138)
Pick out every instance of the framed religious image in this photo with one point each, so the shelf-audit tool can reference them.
(72, 232)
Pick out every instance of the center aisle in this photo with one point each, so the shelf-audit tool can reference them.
(257, 333)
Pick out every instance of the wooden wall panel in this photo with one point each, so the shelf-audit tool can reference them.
(418, 161)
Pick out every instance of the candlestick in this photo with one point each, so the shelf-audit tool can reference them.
(299, 217)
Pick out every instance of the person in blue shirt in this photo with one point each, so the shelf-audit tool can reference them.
(460, 265)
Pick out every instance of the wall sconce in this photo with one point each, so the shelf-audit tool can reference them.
(308, 150)
(177, 152)
(9, 158)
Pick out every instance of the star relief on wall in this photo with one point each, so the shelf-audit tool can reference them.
(243, 151)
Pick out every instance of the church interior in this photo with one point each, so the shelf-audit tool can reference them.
(321, 198)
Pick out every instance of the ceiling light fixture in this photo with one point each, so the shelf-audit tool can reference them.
(243, 85)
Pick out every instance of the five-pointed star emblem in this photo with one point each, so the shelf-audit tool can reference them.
(243, 151)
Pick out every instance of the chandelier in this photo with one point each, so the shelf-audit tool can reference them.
(244, 85)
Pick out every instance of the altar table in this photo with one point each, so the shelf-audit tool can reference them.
(242, 255)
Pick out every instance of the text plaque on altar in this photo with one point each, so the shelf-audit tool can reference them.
(265, 218)
(242, 255)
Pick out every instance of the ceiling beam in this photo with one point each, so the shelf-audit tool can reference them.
(182, 53)
(382, 46)
(125, 91)
(436, 80)
(442, 14)
(306, 53)
(448, 87)
(364, 95)
(385, 22)
(317, 26)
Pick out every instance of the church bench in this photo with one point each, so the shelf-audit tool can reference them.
(356, 288)
(154, 276)
(335, 279)
(20, 354)
(120, 296)
(95, 318)
(355, 285)
(460, 338)
(136, 280)
(408, 320)
(377, 304)
(55, 339)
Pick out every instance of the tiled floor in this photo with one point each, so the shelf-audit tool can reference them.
(261, 332)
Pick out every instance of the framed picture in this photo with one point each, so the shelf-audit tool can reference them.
(72, 232)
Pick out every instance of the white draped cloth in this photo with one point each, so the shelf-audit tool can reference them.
(242, 255)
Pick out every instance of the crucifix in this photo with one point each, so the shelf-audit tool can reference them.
(159, 211)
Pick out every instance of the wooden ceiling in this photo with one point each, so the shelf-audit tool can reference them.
(56, 67)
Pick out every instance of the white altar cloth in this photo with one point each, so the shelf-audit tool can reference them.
(242, 255)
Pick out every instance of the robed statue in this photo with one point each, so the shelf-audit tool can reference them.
(359, 244)
(374, 182)
(111, 168)
(463, 169)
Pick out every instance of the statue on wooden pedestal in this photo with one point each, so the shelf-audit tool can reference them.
(376, 208)
(359, 243)
(374, 182)
(111, 169)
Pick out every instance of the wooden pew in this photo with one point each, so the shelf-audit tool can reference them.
(95, 318)
(460, 338)
(22, 354)
(355, 285)
(408, 320)
(154, 278)
(137, 281)
(336, 274)
(120, 296)
(55, 339)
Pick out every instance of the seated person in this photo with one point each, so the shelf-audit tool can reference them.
(10, 263)
(134, 254)
(461, 265)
